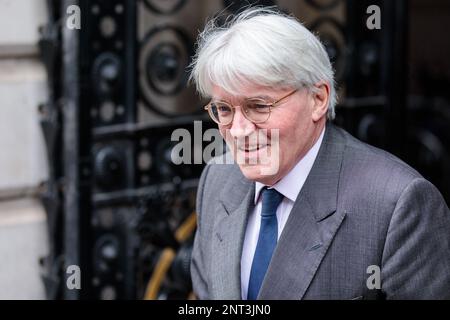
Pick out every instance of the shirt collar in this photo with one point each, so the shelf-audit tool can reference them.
(291, 184)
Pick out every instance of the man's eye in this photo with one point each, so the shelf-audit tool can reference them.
(223, 109)
(258, 107)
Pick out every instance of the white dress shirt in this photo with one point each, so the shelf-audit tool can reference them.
(289, 187)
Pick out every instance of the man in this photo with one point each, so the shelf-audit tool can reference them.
(307, 211)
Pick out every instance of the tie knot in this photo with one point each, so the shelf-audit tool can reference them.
(271, 198)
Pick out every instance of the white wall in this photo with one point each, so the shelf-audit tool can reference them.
(19, 22)
(23, 239)
(23, 160)
(23, 163)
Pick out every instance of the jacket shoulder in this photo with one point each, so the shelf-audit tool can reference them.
(372, 177)
(375, 160)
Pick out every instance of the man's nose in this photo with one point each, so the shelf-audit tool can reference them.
(241, 126)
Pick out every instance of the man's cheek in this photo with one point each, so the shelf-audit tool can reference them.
(224, 133)
(273, 156)
(229, 140)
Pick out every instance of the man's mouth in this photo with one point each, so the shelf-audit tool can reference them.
(251, 148)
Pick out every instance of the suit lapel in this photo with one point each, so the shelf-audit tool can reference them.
(236, 201)
(311, 225)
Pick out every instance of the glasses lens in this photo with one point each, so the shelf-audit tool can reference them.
(257, 110)
(221, 112)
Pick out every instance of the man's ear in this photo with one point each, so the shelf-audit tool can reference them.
(321, 97)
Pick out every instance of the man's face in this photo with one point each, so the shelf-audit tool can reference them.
(270, 149)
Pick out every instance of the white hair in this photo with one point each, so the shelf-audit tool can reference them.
(260, 46)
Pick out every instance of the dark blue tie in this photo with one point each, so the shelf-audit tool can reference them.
(267, 240)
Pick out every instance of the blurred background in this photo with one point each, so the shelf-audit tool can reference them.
(86, 117)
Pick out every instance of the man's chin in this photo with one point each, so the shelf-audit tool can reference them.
(261, 173)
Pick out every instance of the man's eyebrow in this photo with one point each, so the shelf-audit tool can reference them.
(218, 99)
(264, 97)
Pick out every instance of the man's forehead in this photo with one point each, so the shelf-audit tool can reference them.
(244, 93)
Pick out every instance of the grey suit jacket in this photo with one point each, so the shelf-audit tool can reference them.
(360, 209)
